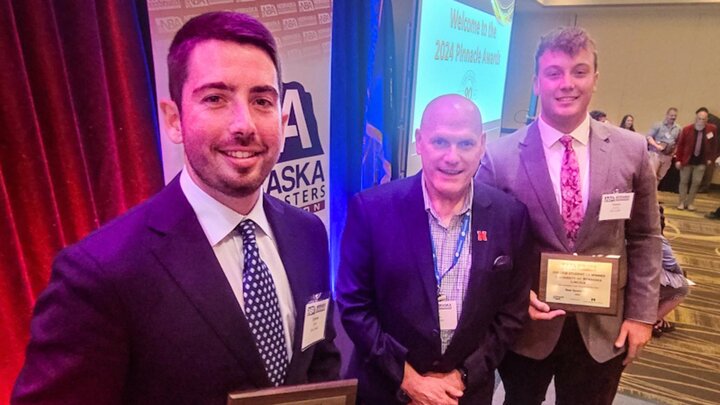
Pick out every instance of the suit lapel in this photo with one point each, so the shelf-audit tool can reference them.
(599, 169)
(417, 230)
(187, 256)
(532, 156)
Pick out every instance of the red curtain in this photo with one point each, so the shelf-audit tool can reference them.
(78, 142)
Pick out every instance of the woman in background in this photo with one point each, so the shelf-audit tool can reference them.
(627, 123)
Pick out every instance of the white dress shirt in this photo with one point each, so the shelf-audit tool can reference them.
(554, 151)
(218, 222)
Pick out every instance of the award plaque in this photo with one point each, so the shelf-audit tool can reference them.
(579, 283)
(328, 393)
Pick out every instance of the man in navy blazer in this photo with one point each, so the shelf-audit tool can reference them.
(431, 287)
(152, 307)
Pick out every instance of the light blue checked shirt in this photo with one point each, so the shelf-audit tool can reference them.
(454, 283)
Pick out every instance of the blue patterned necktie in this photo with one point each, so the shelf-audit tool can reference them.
(262, 307)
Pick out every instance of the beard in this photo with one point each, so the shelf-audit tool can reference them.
(236, 184)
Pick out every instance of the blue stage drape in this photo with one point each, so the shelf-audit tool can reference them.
(352, 25)
(362, 125)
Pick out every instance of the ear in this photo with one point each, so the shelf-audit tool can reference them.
(283, 126)
(536, 87)
(172, 121)
(418, 137)
(595, 81)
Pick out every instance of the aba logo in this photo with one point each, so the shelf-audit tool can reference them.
(301, 136)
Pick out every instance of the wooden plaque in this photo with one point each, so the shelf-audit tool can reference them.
(341, 392)
(579, 283)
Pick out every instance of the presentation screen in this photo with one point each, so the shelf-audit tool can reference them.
(460, 46)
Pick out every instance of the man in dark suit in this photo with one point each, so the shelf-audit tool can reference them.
(431, 287)
(562, 166)
(202, 289)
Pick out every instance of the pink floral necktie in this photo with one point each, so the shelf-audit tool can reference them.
(572, 211)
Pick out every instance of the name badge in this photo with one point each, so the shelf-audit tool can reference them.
(616, 206)
(448, 315)
(709, 135)
(314, 324)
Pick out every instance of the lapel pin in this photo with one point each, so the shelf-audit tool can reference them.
(482, 236)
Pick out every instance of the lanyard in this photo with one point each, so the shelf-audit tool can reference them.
(458, 249)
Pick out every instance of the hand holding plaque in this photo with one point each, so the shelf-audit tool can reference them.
(579, 283)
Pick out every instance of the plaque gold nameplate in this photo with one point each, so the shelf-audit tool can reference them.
(579, 283)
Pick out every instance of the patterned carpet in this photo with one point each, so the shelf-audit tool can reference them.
(683, 367)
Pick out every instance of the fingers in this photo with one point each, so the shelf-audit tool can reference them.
(536, 315)
(539, 310)
(620, 341)
(537, 304)
(432, 391)
(632, 354)
(452, 391)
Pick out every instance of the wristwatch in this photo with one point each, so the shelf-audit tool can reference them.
(463, 375)
(403, 397)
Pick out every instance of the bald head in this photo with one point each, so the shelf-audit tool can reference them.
(450, 142)
(451, 110)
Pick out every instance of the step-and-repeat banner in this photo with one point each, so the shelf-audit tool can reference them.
(302, 29)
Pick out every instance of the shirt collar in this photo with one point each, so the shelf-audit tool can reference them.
(428, 206)
(551, 135)
(216, 219)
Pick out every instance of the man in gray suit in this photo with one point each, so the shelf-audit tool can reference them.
(560, 166)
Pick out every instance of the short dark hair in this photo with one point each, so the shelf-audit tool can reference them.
(569, 40)
(597, 114)
(702, 109)
(223, 26)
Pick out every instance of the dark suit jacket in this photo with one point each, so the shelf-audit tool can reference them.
(387, 293)
(618, 162)
(141, 312)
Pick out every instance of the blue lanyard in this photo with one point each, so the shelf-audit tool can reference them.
(458, 250)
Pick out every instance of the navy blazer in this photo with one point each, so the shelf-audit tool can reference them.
(387, 293)
(141, 312)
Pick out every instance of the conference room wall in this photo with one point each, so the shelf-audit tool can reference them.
(650, 58)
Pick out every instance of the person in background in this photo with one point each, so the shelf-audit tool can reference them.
(716, 213)
(710, 170)
(598, 115)
(713, 214)
(562, 167)
(202, 289)
(695, 152)
(673, 284)
(628, 123)
(661, 141)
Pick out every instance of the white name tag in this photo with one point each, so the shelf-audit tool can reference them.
(314, 323)
(709, 135)
(616, 206)
(448, 315)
